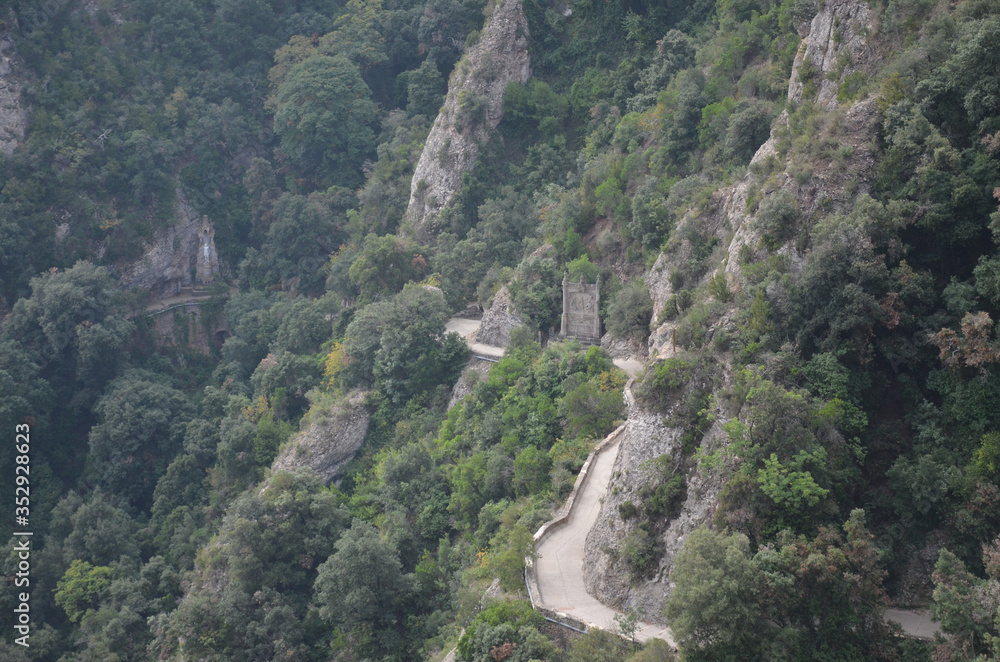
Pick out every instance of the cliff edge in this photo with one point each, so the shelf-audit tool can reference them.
(472, 110)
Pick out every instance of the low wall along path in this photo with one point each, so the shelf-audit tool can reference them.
(555, 577)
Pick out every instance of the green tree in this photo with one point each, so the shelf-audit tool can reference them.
(400, 345)
(713, 609)
(537, 291)
(140, 430)
(362, 588)
(673, 54)
(385, 265)
(425, 90)
(966, 605)
(630, 312)
(303, 230)
(81, 588)
(531, 471)
(74, 326)
(324, 116)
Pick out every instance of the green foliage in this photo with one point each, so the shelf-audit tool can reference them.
(81, 588)
(641, 550)
(324, 116)
(712, 610)
(141, 427)
(674, 53)
(265, 117)
(715, 615)
(597, 645)
(986, 461)
(792, 489)
(385, 265)
(581, 269)
(590, 411)
(531, 471)
(962, 606)
(537, 291)
(776, 218)
(630, 312)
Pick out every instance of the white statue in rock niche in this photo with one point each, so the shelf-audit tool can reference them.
(208, 259)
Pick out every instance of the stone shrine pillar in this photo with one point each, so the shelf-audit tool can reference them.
(208, 258)
(581, 318)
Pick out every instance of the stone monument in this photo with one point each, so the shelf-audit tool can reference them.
(208, 259)
(581, 318)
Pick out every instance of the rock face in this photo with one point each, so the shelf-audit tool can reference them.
(498, 321)
(605, 576)
(474, 372)
(329, 442)
(837, 46)
(472, 110)
(176, 258)
(13, 115)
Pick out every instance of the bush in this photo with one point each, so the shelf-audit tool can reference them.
(776, 219)
(630, 312)
(641, 551)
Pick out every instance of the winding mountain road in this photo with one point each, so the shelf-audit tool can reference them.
(559, 564)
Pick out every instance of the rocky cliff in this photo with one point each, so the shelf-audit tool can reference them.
(636, 470)
(13, 115)
(475, 371)
(329, 441)
(498, 321)
(823, 176)
(472, 110)
(177, 257)
(838, 46)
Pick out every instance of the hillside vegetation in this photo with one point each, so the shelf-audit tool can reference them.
(791, 208)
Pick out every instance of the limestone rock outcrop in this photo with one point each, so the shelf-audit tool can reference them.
(474, 372)
(13, 114)
(176, 258)
(838, 45)
(826, 179)
(498, 321)
(605, 574)
(472, 110)
(329, 441)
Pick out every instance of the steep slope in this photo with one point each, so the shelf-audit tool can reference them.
(472, 110)
(330, 440)
(835, 180)
(13, 114)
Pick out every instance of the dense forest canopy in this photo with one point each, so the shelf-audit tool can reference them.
(833, 360)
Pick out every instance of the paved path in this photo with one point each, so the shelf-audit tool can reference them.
(916, 623)
(465, 327)
(559, 565)
(187, 295)
(560, 555)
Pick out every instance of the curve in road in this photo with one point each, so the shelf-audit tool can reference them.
(559, 565)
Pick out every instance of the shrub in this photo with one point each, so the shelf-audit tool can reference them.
(627, 510)
(641, 551)
(629, 313)
(776, 218)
